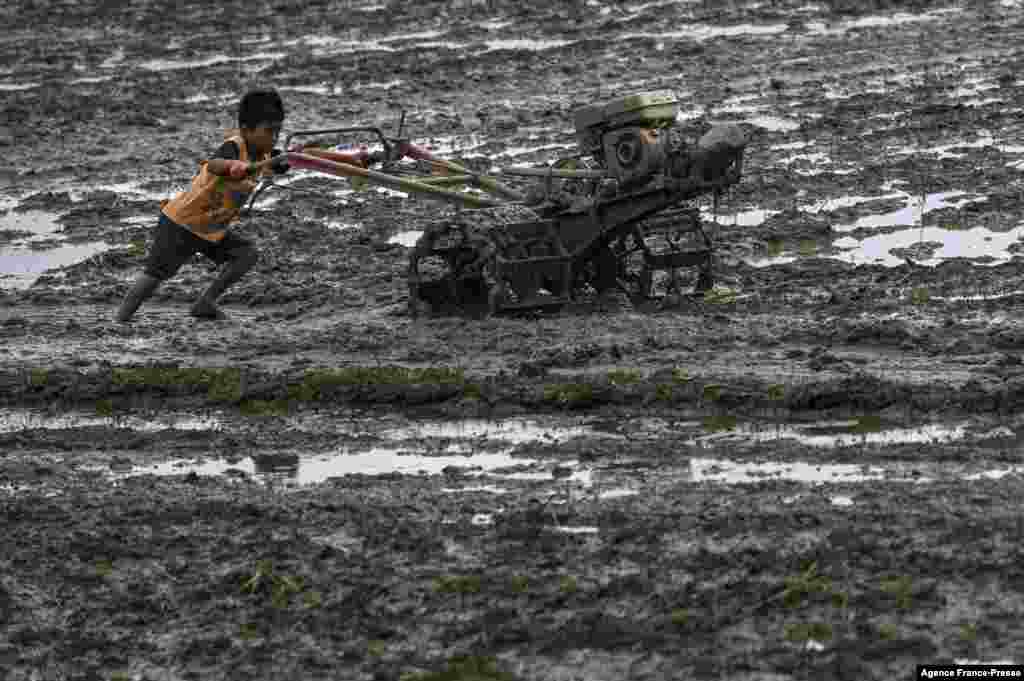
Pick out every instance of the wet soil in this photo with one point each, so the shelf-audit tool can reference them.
(811, 473)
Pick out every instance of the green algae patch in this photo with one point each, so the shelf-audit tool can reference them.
(469, 668)
(569, 394)
(222, 385)
(318, 384)
(624, 376)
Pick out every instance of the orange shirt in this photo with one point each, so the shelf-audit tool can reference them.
(212, 202)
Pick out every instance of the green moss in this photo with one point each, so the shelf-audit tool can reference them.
(868, 424)
(887, 631)
(680, 617)
(901, 588)
(808, 631)
(520, 583)
(663, 392)
(279, 587)
(568, 584)
(624, 376)
(719, 295)
(376, 648)
(776, 392)
(920, 295)
(969, 632)
(136, 248)
(719, 423)
(472, 391)
(265, 408)
(807, 583)
(569, 394)
(316, 382)
(104, 407)
(457, 584)
(222, 385)
(247, 631)
(463, 669)
(712, 392)
(37, 377)
(681, 376)
(312, 599)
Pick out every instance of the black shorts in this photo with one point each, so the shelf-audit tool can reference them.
(173, 245)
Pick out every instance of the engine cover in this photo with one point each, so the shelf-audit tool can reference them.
(633, 155)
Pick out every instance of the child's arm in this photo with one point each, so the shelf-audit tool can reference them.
(235, 169)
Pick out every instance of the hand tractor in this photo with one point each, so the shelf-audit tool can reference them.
(606, 220)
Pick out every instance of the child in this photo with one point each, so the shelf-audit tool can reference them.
(196, 220)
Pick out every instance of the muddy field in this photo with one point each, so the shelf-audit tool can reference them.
(813, 472)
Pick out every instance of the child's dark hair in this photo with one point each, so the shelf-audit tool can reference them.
(259, 106)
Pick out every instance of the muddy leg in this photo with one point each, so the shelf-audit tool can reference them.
(242, 259)
(143, 288)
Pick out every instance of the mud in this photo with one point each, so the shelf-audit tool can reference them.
(812, 472)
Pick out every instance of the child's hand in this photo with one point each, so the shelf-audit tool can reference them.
(279, 165)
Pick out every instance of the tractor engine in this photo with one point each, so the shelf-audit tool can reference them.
(635, 139)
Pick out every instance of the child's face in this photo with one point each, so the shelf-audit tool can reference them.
(263, 136)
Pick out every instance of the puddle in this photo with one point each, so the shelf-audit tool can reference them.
(175, 64)
(21, 265)
(314, 469)
(833, 434)
(730, 472)
(829, 205)
(702, 32)
(841, 501)
(790, 146)
(91, 79)
(12, 420)
(942, 244)
(14, 87)
(492, 489)
(531, 45)
(407, 239)
(995, 474)
(324, 89)
(746, 218)
(946, 151)
(514, 431)
(928, 245)
(912, 212)
(583, 477)
(577, 529)
(35, 222)
(897, 19)
(383, 85)
(773, 123)
(461, 444)
(618, 493)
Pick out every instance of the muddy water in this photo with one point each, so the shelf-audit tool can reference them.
(632, 551)
(31, 244)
